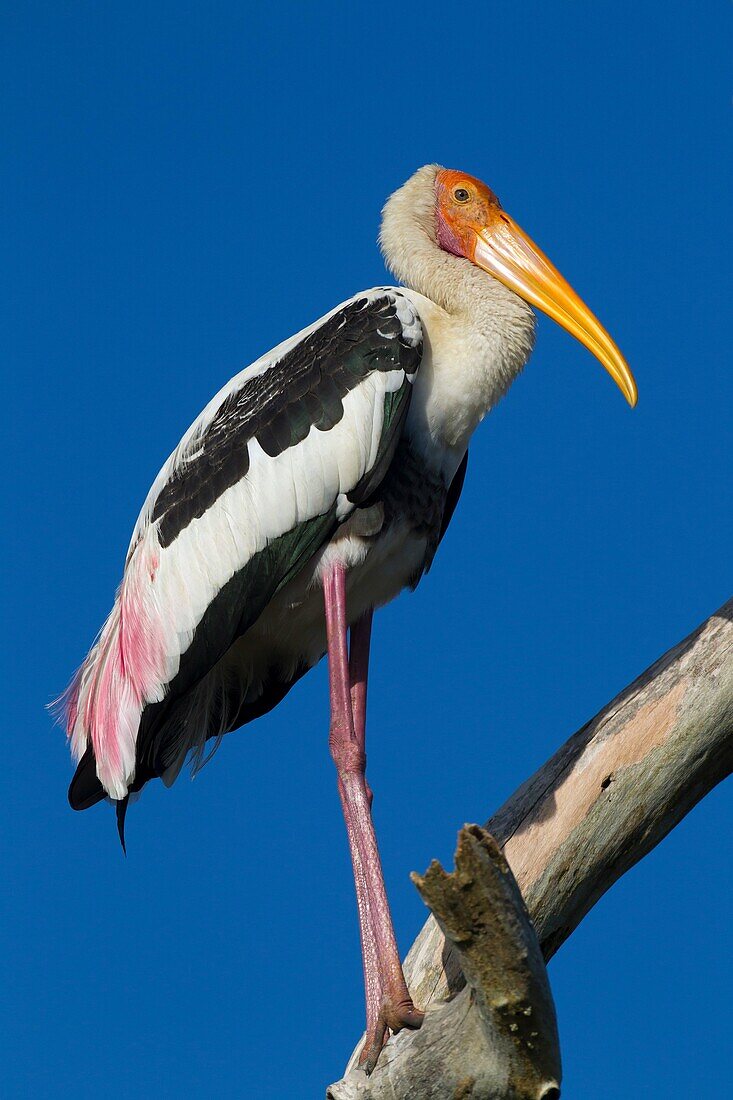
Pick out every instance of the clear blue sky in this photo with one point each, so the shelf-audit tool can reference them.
(186, 185)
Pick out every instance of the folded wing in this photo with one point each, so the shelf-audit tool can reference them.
(257, 485)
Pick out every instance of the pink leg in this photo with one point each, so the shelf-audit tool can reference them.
(378, 938)
(360, 635)
(376, 1029)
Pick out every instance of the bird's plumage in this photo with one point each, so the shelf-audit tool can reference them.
(346, 443)
(287, 459)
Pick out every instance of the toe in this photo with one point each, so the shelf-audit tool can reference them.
(375, 1039)
(403, 1014)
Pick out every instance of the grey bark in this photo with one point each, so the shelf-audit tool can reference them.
(601, 803)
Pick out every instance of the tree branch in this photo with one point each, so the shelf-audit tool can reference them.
(604, 800)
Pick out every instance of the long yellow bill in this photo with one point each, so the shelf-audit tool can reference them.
(505, 251)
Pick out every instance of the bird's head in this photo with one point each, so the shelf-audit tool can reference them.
(470, 223)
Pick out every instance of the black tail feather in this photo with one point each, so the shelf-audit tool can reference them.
(159, 743)
(85, 789)
(121, 809)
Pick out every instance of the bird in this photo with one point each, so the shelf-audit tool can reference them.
(313, 488)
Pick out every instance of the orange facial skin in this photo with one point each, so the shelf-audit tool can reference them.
(459, 218)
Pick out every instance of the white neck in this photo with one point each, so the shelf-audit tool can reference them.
(480, 333)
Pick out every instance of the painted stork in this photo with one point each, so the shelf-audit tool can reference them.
(313, 488)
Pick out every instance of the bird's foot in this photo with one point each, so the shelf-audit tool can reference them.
(393, 1017)
(376, 1037)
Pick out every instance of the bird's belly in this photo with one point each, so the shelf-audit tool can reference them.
(394, 562)
(291, 633)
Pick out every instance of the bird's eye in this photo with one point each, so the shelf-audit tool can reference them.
(461, 194)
